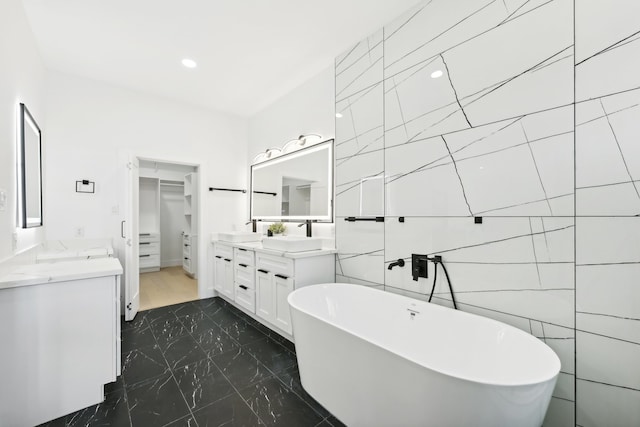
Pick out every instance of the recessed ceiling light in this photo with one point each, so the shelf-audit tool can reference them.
(338, 115)
(189, 63)
(436, 74)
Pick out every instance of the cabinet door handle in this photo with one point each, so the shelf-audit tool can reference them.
(145, 234)
(242, 249)
(144, 256)
(186, 244)
(262, 271)
(218, 256)
(243, 265)
(227, 259)
(122, 229)
(281, 276)
(145, 243)
(186, 258)
(243, 287)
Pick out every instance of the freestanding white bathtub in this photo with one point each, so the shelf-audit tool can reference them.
(374, 358)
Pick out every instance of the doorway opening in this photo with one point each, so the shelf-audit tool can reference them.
(168, 233)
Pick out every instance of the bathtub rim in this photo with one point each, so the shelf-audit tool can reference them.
(543, 379)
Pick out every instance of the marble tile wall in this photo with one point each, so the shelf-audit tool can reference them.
(525, 113)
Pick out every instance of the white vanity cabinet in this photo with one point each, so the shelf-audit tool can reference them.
(259, 280)
(223, 266)
(60, 340)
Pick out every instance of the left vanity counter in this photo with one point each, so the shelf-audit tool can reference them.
(60, 335)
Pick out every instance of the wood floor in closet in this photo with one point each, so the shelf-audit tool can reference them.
(168, 286)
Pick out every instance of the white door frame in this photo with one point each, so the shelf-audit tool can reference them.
(134, 209)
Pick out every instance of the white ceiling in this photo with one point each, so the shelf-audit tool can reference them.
(249, 52)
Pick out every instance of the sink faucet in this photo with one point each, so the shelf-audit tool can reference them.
(253, 226)
(308, 224)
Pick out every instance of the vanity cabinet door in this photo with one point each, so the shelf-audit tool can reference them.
(224, 276)
(218, 281)
(264, 295)
(283, 286)
(228, 288)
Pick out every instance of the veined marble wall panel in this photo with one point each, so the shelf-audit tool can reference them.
(608, 206)
(359, 160)
(361, 126)
(608, 319)
(475, 117)
(463, 173)
(430, 90)
(360, 67)
(607, 47)
(608, 155)
(360, 251)
(517, 266)
(433, 27)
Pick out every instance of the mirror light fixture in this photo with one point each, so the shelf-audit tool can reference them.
(436, 74)
(339, 115)
(304, 140)
(267, 154)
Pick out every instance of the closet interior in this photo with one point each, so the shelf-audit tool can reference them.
(168, 208)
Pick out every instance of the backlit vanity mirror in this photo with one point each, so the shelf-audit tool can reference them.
(30, 171)
(294, 186)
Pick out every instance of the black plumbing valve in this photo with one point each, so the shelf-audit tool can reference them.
(418, 266)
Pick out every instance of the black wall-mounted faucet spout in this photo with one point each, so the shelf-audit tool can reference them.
(399, 263)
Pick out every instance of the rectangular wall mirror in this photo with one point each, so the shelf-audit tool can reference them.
(295, 186)
(30, 171)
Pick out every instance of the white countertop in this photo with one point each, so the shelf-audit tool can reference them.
(257, 246)
(57, 250)
(38, 274)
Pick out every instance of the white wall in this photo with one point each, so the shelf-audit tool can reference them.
(89, 123)
(21, 80)
(307, 109)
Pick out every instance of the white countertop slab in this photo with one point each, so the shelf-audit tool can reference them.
(257, 246)
(56, 250)
(38, 274)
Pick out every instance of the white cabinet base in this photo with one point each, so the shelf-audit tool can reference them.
(260, 290)
(60, 345)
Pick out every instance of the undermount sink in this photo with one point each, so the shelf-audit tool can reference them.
(239, 236)
(292, 243)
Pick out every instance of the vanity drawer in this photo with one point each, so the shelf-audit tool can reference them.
(149, 248)
(147, 260)
(149, 237)
(274, 264)
(243, 256)
(223, 251)
(244, 275)
(245, 297)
